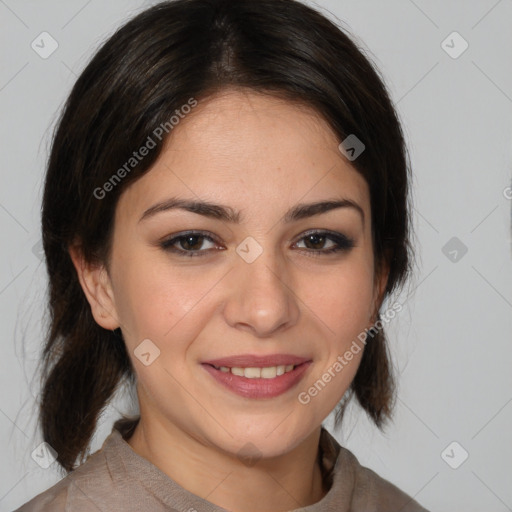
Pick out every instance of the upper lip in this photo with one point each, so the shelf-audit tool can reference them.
(252, 361)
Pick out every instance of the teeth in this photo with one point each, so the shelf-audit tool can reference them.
(252, 373)
(268, 373)
(258, 373)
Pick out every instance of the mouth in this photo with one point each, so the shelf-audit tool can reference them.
(258, 377)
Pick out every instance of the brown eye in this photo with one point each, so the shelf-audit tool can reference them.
(188, 244)
(191, 242)
(315, 242)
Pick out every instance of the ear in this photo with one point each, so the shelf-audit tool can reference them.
(380, 283)
(97, 287)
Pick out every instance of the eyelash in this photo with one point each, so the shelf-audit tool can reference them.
(343, 242)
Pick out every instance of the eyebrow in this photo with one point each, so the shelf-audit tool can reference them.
(228, 214)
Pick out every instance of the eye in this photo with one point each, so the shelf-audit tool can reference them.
(315, 240)
(190, 242)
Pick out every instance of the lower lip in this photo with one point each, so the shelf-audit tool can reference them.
(258, 388)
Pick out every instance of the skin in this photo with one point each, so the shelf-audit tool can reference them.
(261, 156)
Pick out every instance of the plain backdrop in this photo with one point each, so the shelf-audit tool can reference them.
(450, 444)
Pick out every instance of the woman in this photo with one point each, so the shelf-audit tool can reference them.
(225, 211)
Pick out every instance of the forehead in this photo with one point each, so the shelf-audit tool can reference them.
(247, 149)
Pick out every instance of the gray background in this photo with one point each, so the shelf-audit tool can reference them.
(451, 344)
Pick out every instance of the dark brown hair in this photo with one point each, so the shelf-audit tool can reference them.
(147, 69)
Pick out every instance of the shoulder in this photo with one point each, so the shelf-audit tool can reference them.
(54, 498)
(367, 490)
(82, 489)
(389, 496)
(375, 493)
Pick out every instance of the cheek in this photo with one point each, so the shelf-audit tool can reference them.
(341, 299)
(156, 301)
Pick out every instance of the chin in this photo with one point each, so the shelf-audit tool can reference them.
(266, 439)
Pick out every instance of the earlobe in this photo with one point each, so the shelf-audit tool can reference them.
(96, 285)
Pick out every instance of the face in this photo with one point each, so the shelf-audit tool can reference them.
(254, 283)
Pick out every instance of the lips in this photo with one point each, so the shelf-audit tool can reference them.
(241, 374)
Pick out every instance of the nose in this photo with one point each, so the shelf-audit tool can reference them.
(261, 299)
